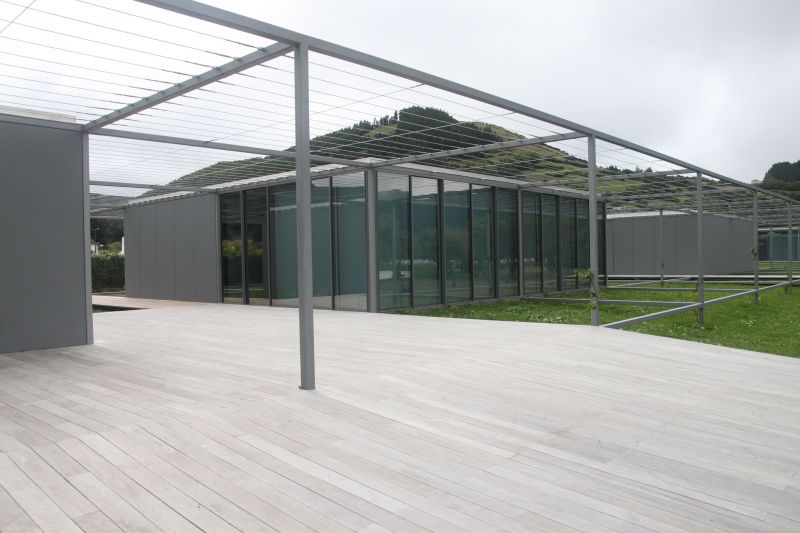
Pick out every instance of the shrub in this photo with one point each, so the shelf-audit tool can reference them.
(108, 272)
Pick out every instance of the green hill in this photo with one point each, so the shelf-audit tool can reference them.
(783, 178)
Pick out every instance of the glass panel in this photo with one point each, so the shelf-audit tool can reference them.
(394, 265)
(456, 241)
(531, 228)
(425, 241)
(231, 233)
(584, 257)
(567, 237)
(283, 235)
(507, 242)
(601, 242)
(482, 242)
(321, 241)
(351, 242)
(255, 204)
(550, 242)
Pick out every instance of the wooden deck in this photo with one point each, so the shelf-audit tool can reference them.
(189, 418)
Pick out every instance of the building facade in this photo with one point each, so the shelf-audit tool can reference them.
(382, 240)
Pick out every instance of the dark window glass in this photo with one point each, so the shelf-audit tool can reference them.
(507, 242)
(531, 232)
(567, 237)
(255, 202)
(550, 242)
(482, 241)
(351, 242)
(425, 241)
(456, 241)
(601, 243)
(321, 241)
(283, 235)
(584, 258)
(231, 233)
(394, 264)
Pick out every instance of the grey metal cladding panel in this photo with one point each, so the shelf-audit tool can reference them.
(206, 259)
(149, 249)
(644, 245)
(686, 244)
(623, 245)
(133, 253)
(609, 251)
(42, 272)
(184, 250)
(165, 237)
(671, 238)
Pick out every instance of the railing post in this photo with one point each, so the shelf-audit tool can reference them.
(594, 262)
(756, 297)
(305, 280)
(701, 293)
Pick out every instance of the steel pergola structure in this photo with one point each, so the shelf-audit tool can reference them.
(186, 99)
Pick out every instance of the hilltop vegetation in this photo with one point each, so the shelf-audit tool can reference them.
(783, 178)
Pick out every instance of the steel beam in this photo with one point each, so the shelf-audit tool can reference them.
(477, 149)
(305, 278)
(128, 185)
(594, 260)
(138, 136)
(701, 296)
(215, 74)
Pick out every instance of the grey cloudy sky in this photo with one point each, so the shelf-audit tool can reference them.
(714, 82)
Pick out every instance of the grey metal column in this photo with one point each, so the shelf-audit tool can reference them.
(756, 297)
(594, 263)
(701, 290)
(372, 240)
(661, 245)
(789, 251)
(305, 280)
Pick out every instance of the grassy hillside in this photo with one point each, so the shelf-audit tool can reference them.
(784, 178)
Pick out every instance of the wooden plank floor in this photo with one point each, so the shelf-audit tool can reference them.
(189, 418)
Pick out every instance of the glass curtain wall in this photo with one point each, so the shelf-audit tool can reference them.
(283, 236)
(255, 204)
(321, 242)
(531, 242)
(350, 241)
(425, 241)
(584, 257)
(567, 243)
(550, 277)
(231, 236)
(507, 242)
(483, 242)
(394, 241)
(456, 203)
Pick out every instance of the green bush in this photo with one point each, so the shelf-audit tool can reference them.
(108, 272)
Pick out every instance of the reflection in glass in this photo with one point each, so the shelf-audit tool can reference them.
(531, 229)
(321, 241)
(567, 236)
(425, 241)
(507, 242)
(482, 242)
(231, 233)
(549, 242)
(394, 264)
(601, 242)
(351, 241)
(456, 241)
(283, 235)
(255, 203)
(584, 258)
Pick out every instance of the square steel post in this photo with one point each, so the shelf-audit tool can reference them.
(789, 251)
(756, 297)
(661, 245)
(305, 280)
(372, 240)
(701, 290)
(594, 262)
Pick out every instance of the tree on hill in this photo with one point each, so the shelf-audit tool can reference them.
(784, 178)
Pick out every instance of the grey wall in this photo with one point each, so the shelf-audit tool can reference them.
(44, 271)
(172, 250)
(632, 245)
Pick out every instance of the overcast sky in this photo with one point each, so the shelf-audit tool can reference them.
(716, 83)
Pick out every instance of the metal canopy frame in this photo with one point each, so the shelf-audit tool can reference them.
(679, 186)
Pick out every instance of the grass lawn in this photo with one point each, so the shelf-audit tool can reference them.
(770, 327)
